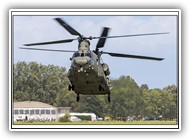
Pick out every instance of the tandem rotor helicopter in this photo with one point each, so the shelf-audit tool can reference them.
(88, 75)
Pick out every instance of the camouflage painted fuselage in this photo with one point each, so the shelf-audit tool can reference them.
(87, 75)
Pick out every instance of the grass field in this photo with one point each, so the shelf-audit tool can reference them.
(99, 123)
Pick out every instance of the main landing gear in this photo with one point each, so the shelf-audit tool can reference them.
(78, 97)
(71, 87)
(109, 98)
(101, 88)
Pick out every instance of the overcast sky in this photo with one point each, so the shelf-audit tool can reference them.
(157, 74)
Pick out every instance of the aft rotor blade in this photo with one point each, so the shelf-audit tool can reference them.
(102, 41)
(46, 50)
(51, 42)
(133, 56)
(131, 35)
(67, 27)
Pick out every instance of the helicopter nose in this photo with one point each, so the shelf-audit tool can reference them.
(81, 61)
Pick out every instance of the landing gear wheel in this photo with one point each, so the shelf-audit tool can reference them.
(71, 87)
(100, 88)
(109, 98)
(78, 97)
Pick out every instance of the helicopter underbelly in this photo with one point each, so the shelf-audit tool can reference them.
(89, 82)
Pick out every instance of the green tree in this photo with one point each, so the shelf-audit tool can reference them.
(49, 84)
(32, 81)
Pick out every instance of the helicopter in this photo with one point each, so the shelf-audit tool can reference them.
(88, 75)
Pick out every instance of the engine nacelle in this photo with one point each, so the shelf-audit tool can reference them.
(106, 69)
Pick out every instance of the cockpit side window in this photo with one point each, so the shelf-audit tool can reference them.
(88, 54)
(76, 54)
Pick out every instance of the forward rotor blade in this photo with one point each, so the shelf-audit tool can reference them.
(102, 41)
(67, 27)
(51, 42)
(131, 35)
(46, 49)
(132, 56)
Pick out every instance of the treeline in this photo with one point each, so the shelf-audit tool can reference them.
(49, 84)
